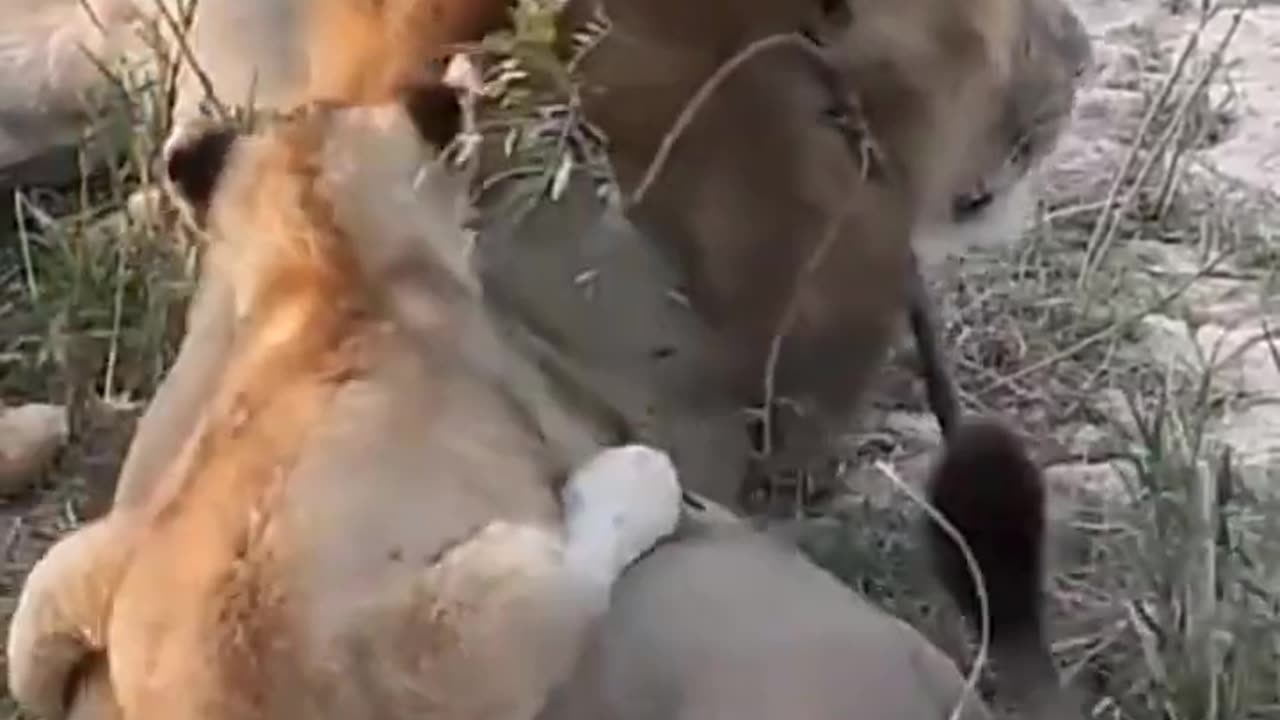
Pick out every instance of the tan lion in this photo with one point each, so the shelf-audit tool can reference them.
(786, 154)
(727, 623)
(364, 517)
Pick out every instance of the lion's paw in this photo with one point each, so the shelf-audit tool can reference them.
(617, 506)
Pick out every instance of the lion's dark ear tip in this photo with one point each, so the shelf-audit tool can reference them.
(194, 158)
(436, 111)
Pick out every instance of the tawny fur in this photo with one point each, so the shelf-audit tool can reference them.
(791, 198)
(927, 97)
(364, 50)
(749, 191)
(729, 623)
(994, 207)
(797, 644)
(362, 520)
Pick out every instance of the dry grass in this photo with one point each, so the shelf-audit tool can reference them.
(1164, 594)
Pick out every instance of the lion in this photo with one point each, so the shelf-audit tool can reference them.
(728, 622)
(788, 159)
(363, 521)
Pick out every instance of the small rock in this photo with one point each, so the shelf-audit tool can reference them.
(1108, 113)
(1088, 441)
(145, 206)
(1225, 312)
(1251, 430)
(30, 437)
(1116, 65)
(1224, 302)
(1171, 340)
(1249, 153)
(1080, 170)
(914, 431)
(1165, 258)
(1246, 356)
(1075, 486)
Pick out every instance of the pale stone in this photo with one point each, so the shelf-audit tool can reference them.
(30, 437)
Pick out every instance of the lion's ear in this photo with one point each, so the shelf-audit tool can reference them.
(436, 111)
(195, 156)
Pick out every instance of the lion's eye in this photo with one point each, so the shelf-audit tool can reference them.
(1021, 151)
(838, 116)
(968, 204)
(831, 7)
(838, 13)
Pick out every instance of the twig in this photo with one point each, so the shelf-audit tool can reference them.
(703, 94)
(1202, 580)
(1269, 336)
(24, 242)
(179, 31)
(12, 535)
(1103, 225)
(1104, 230)
(117, 319)
(687, 113)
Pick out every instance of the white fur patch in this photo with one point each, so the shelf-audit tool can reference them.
(617, 506)
(500, 549)
(1001, 224)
